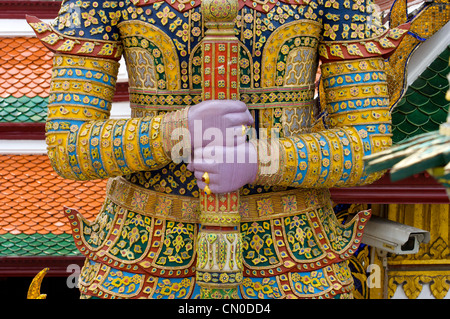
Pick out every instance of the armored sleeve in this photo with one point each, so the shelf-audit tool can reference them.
(83, 142)
(353, 98)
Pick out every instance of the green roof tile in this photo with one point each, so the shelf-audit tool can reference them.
(418, 118)
(23, 109)
(423, 107)
(427, 74)
(419, 84)
(438, 115)
(37, 245)
(438, 82)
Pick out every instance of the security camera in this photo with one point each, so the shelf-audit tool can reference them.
(394, 237)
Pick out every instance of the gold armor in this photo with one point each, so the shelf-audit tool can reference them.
(144, 242)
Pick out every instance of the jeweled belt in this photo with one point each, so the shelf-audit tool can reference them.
(187, 209)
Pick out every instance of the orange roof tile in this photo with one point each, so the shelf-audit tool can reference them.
(25, 67)
(32, 196)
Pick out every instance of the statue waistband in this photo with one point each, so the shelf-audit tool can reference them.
(187, 209)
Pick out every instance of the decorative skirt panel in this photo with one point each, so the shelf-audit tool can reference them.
(143, 244)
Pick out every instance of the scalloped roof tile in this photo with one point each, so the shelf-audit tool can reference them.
(33, 196)
(25, 67)
(25, 73)
(23, 109)
(37, 245)
(424, 107)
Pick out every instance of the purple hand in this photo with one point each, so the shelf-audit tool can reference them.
(219, 146)
(229, 168)
(217, 118)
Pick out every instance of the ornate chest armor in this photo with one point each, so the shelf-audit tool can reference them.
(143, 242)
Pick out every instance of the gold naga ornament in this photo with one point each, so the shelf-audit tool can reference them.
(34, 291)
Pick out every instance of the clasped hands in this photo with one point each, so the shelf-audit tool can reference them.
(223, 160)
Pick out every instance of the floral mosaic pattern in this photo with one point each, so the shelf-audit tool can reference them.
(163, 38)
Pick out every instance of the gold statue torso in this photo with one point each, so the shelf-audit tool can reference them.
(277, 73)
(277, 69)
(144, 241)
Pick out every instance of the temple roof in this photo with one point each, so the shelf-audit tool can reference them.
(32, 221)
(23, 109)
(25, 73)
(424, 107)
(25, 67)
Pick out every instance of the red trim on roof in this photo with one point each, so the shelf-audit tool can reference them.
(30, 266)
(19, 8)
(22, 131)
(419, 189)
(121, 94)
